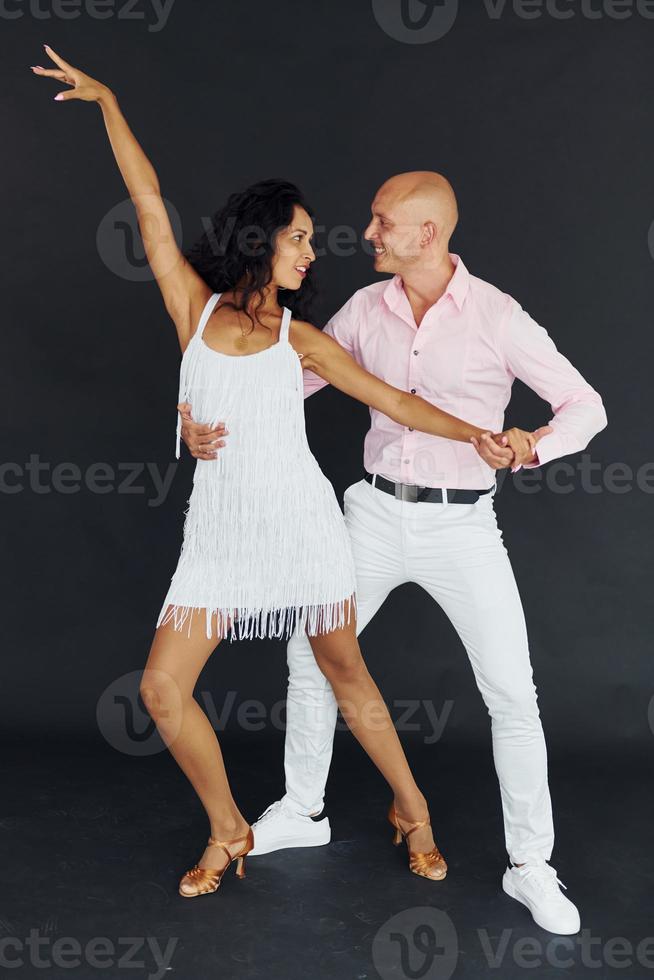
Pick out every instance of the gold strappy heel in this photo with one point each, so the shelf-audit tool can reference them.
(428, 864)
(208, 879)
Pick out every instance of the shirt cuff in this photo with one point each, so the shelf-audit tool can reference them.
(547, 448)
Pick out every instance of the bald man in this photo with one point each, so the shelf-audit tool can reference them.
(424, 513)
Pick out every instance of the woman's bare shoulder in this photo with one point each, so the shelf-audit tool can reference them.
(303, 327)
(305, 338)
(311, 343)
(307, 333)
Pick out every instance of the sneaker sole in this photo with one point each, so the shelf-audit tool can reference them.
(509, 890)
(320, 841)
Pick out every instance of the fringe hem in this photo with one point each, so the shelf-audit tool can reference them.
(246, 623)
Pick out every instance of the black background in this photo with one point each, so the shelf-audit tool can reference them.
(543, 127)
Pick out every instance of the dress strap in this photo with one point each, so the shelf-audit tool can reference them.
(286, 322)
(182, 395)
(206, 313)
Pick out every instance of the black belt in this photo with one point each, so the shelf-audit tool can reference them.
(406, 491)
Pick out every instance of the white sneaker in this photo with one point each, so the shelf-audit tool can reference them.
(535, 885)
(280, 826)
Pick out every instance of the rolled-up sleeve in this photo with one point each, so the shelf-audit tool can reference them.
(531, 355)
(342, 327)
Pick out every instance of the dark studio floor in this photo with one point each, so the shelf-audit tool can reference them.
(94, 843)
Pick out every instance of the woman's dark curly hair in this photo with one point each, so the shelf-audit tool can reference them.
(241, 242)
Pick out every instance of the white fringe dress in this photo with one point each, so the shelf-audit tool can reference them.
(265, 545)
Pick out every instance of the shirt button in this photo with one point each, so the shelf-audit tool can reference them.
(416, 352)
(413, 391)
(410, 429)
(406, 460)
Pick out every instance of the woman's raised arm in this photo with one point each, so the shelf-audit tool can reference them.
(184, 291)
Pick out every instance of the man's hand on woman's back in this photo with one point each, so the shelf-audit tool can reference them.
(202, 441)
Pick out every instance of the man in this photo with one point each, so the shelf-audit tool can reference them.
(424, 513)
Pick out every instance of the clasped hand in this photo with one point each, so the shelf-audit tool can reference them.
(513, 448)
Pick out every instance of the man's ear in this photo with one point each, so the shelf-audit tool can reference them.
(429, 233)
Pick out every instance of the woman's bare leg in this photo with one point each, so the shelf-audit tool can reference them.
(338, 655)
(169, 678)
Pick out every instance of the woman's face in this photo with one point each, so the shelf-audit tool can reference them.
(293, 253)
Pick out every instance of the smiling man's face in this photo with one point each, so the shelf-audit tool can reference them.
(395, 231)
(413, 218)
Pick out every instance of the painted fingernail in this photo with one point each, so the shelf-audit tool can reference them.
(58, 98)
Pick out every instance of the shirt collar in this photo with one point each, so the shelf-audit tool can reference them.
(459, 283)
(457, 287)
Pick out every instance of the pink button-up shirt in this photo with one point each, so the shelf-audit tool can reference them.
(464, 357)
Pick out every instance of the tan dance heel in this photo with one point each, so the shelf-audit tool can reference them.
(208, 880)
(428, 864)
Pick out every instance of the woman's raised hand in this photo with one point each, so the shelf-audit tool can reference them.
(184, 292)
(83, 86)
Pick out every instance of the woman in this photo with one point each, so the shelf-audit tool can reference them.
(265, 547)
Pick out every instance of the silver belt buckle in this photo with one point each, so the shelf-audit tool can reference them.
(404, 491)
